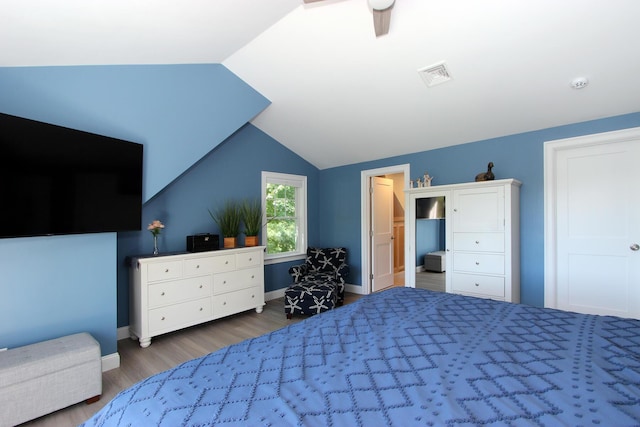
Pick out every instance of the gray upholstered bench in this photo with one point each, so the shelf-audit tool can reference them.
(41, 378)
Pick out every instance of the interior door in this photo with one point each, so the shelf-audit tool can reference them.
(598, 229)
(381, 233)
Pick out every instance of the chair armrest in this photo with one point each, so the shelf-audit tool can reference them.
(298, 272)
(342, 273)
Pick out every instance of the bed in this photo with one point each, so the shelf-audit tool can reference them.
(405, 357)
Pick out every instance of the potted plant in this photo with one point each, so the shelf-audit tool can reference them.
(228, 218)
(252, 219)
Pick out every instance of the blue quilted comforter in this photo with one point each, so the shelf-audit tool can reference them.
(405, 357)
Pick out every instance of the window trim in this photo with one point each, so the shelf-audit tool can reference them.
(299, 181)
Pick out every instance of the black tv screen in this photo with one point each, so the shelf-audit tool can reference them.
(56, 180)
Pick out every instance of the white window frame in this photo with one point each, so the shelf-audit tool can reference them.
(300, 182)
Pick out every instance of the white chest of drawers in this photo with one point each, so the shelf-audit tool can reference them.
(482, 237)
(176, 291)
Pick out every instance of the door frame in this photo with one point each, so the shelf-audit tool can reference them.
(551, 150)
(365, 215)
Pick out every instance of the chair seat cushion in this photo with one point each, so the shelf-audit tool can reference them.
(310, 297)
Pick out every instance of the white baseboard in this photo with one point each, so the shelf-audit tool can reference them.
(278, 293)
(110, 361)
(122, 333)
(354, 289)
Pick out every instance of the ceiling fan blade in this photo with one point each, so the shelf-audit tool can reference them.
(311, 1)
(382, 20)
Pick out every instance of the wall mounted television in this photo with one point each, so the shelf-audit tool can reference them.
(55, 180)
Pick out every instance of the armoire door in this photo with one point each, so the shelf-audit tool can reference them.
(597, 225)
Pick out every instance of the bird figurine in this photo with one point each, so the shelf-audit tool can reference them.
(486, 176)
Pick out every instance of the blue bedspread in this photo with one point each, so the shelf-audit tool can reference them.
(406, 357)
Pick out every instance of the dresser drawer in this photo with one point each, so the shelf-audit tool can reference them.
(490, 286)
(222, 263)
(478, 242)
(249, 259)
(165, 293)
(164, 270)
(240, 279)
(235, 302)
(198, 267)
(478, 263)
(179, 315)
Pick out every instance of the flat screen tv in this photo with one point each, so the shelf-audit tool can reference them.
(55, 180)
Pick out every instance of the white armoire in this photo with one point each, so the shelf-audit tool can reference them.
(482, 237)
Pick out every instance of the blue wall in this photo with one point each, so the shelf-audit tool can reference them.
(231, 171)
(516, 156)
(59, 285)
(53, 286)
(430, 237)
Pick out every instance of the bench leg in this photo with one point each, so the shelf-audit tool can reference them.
(93, 399)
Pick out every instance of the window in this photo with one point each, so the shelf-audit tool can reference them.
(285, 205)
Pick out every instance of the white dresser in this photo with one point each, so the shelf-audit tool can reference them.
(176, 291)
(482, 237)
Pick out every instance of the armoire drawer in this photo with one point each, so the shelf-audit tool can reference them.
(478, 242)
(179, 315)
(234, 302)
(490, 286)
(165, 293)
(166, 270)
(235, 280)
(478, 263)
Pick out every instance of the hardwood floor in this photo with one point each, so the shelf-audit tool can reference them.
(430, 280)
(166, 351)
(424, 279)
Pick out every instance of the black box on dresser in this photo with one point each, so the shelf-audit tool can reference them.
(203, 242)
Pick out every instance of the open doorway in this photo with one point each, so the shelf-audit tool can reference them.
(430, 243)
(400, 177)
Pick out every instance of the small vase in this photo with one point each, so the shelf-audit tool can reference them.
(155, 244)
(230, 242)
(251, 241)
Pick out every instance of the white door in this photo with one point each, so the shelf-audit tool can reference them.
(381, 233)
(597, 226)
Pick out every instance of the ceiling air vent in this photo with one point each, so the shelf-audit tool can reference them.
(435, 74)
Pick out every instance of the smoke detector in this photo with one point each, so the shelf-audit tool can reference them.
(435, 74)
(579, 82)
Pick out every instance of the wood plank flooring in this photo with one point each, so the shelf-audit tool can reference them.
(430, 280)
(168, 350)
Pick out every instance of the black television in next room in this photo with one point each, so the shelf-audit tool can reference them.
(55, 180)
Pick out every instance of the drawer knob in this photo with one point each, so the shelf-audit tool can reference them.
(477, 284)
(250, 259)
(477, 262)
(252, 276)
(200, 308)
(200, 286)
(198, 266)
(226, 262)
(161, 294)
(477, 242)
(224, 303)
(166, 270)
(253, 296)
(162, 318)
(224, 282)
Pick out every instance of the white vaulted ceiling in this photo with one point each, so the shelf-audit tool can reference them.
(339, 94)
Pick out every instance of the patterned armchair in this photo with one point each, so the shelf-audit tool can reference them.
(318, 283)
